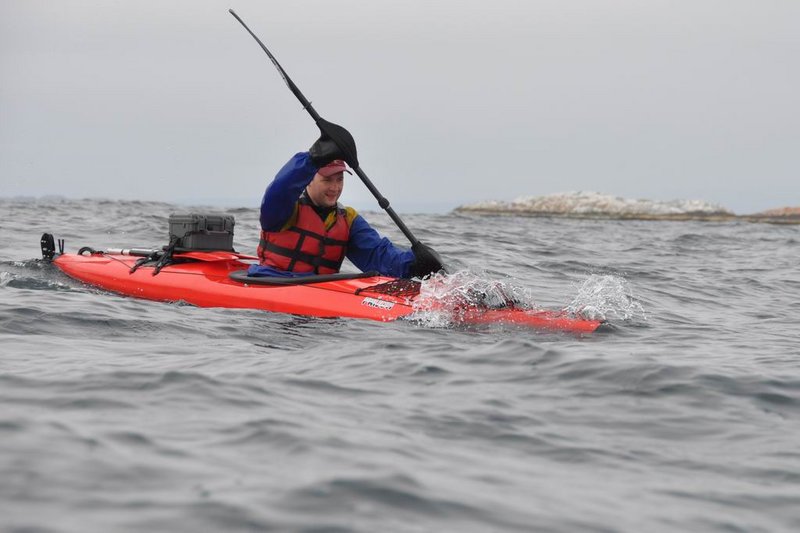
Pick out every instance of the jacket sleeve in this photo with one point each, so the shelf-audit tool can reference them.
(367, 250)
(282, 193)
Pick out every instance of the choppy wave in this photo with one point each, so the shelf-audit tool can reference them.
(118, 414)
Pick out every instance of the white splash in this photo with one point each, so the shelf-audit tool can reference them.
(443, 297)
(606, 297)
(5, 278)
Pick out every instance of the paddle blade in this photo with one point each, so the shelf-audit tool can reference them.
(342, 138)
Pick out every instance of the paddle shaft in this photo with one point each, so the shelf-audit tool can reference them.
(382, 201)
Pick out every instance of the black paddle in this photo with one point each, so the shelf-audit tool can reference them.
(352, 158)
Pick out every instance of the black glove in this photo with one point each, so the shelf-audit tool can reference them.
(426, 261)
(335, 142)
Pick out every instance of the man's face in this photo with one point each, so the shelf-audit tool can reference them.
(324, 191)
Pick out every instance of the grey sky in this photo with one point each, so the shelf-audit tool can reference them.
(449, 101)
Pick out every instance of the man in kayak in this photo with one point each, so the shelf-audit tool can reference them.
(304, 230)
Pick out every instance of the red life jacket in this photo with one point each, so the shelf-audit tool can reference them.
(307, 246)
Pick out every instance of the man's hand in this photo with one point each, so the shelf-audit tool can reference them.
(426, 261)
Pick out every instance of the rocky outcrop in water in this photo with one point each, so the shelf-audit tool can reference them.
(602, 206)
(780, 215)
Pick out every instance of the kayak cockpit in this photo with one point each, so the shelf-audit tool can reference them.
(242, 277)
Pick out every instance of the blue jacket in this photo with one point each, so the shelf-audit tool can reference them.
(366, 249)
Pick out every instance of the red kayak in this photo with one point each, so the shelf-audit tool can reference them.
(219, 279)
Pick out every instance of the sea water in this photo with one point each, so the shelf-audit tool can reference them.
(119, 414)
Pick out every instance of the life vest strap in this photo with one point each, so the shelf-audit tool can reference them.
(297, 255)
(327, 241)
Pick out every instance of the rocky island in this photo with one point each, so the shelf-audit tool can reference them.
(594, 205)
